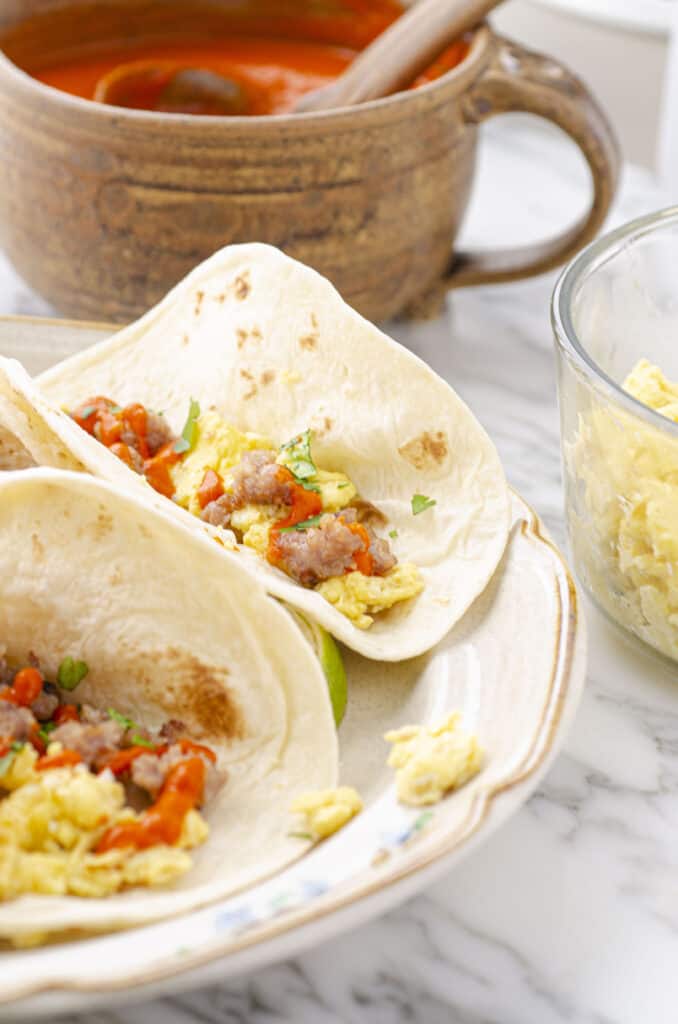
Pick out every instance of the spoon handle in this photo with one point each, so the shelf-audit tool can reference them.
(400, 53)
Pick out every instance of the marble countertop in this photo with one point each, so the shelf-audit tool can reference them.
(570, 912)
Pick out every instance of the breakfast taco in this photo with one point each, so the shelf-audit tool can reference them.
(157, 719)
(346, 474)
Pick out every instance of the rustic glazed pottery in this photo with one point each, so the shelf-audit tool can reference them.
(103, 209)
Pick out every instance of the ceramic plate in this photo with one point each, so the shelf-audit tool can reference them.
(514, 666)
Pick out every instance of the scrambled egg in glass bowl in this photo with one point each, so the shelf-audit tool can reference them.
(615, 318)
(624, 523)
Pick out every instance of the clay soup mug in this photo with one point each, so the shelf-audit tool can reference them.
(103, 209)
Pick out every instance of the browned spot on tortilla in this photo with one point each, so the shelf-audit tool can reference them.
(267, 377)
(242, 286)
(38, 548)
(103, 524)
(368, 513)
(197, 694)
(320, 429)
(246, 375)
(427, 451)
(184, 340)
(199, 296)
(221, 297)
(310, 341)
(115, 579)
(144, 531)
(243, 336)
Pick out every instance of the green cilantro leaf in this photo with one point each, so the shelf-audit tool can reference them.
(296, 456)
(306, 525)
(189, 435)
(340, 487)
(45, 729)
(88, 411)
(300, 835)
(71, 673)
(126, 723)
(141, 741)
(420, 503)
(7, 760)
(393, 534)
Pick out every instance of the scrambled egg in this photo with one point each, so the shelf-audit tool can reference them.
(218, 446)
(360, 597)
(648, 384)
(627, 534)
(327, 810)
(336, 490)
(430, 760)
(51, 822)
(256, 537)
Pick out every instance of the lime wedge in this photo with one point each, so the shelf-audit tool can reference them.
(330, 659)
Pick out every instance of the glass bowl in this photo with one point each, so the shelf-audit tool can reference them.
(615, 304)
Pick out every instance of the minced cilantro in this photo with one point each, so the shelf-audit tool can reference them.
(296, 456)
(141, 741)
(45, 729)
(306, 525)
(126, 723)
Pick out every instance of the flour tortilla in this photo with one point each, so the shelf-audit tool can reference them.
(92, 573)
(271, 345)
(13, 455)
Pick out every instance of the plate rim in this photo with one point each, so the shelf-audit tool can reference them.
(560, 699)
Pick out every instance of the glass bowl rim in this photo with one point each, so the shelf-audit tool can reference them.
(585, 263)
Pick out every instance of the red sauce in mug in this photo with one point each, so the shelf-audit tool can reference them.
(272, 72)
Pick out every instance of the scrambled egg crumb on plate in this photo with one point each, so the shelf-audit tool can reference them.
(431, 760)
(51, 822)
(327, 810)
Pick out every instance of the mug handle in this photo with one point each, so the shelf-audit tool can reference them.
(519, 80)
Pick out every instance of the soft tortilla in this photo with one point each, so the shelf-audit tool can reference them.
(13, 455)
(89, 572)
(271, 345)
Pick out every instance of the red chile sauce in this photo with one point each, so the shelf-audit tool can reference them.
(272, 72)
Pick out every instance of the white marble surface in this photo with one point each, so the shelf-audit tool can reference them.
(570, 912)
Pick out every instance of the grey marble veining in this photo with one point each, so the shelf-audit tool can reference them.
(570, 912)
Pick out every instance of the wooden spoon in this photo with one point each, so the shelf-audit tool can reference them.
(397, 56)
